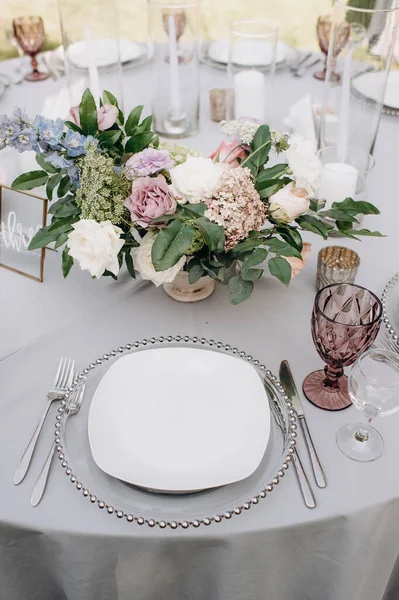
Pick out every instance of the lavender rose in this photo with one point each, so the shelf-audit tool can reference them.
(150, 198)
(148, 162)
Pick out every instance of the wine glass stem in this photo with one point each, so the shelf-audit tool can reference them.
(362, 435)
(34, 63)
(332, 376)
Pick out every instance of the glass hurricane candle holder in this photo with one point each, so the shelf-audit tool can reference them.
(345, 322)
(29, 33)
(174, 43)
(92, 49)
(251, 68)
(364, 64)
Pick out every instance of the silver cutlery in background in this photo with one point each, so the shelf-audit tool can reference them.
(303, 481)
(300, 72)
(74, 405)
(62, 381)
(288, 383)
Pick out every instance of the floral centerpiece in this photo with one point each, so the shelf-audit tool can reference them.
(124, 196)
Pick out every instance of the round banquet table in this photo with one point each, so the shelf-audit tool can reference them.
(345, 549)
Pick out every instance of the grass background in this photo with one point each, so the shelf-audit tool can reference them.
(296, 18)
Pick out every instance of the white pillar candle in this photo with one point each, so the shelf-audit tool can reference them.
(175, 102)
(338, 181)
(94, 81)
(343, 123)
(250, 95)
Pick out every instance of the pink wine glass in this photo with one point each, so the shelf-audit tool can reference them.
(345, 322)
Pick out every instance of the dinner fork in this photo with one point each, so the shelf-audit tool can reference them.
(305, 487)
(62, 381)
(72, 409)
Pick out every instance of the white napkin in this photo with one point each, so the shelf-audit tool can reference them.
(59, 104)
(300, 119)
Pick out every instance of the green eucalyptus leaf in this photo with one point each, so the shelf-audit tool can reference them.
(171, 244)
(282, 248)
(67, 209)
(252, 274)
(30, 180)
(357, 207)
(88, 114)
(130, 265)
(213, 234)
(109, 98)
(138, 142)
(108, 138)
(239, 289)
(42, 239)
(291, 236)
(145, 125)
(257, 256)
(338, 215)
(133, 120)
(316, 204)
(272, 187)
(67, 262)
(195, 210)
(61, 240)
(40, 159)
(52, 184)
(74, 127)
(195, 270)
(64, 187)
(313, 224)
(245, 246)
(273, 172)
(281, 269)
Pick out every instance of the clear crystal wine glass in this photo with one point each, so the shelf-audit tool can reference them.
(373, 385)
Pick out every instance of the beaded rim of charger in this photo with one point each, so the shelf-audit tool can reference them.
(390, 330)
(151, 522)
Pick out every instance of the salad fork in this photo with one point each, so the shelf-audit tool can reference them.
(72, 409)
(62, 381)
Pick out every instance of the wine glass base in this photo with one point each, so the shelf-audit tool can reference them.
(362, 451)
(321, 76)
(36, 76)
(323, 397)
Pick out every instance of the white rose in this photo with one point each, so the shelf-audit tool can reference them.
(143, 263)
(95, 246)
(288, 204)
(304, 163)
(195, 178)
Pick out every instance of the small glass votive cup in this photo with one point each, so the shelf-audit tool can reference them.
(218, 99)
(336, 264)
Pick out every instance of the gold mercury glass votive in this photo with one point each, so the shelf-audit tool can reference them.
(336, 264)
(218, 101)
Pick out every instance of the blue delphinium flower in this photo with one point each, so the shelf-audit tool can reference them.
(74, 143)
(73, 175)
(59, 161)
(49, 131)
(9, 127)
(24, 140)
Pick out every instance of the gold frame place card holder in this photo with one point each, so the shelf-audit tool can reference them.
(16, 235)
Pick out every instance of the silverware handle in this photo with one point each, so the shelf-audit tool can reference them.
(314, 459)
(307, 492)
(41, 482)
(23, 466)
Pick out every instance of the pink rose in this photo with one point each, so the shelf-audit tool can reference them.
(106, 116)
(150, 198)
(228, 153)
(296, 264)
(74, 115)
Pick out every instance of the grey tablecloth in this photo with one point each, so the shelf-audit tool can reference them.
(66, 548)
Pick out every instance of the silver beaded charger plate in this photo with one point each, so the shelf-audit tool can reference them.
(390, 315)
(142, 507)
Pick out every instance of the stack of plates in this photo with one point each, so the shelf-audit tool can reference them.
(177, 418)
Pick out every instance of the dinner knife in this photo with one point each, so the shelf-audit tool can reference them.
(288, 383)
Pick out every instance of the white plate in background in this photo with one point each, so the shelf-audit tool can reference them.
(105, 52)
(179, 420)
(248, 53)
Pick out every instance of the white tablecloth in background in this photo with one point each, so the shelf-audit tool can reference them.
(67, 549)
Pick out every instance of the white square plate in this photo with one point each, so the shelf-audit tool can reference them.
(179, 420)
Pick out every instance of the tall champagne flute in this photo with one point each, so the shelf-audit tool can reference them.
(29, 33)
